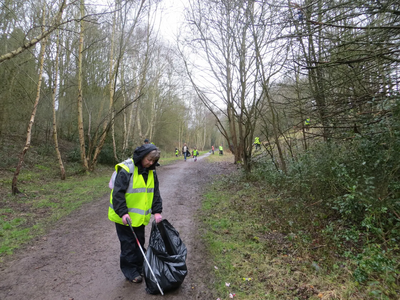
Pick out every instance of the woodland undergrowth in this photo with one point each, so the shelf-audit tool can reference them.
(327, 229)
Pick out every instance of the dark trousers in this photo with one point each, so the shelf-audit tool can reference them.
(131, 258)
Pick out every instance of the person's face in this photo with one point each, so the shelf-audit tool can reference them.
(147, 162)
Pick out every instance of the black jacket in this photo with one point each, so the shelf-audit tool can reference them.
(122, 182)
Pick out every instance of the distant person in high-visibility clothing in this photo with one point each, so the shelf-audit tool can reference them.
(195, 153)
(221, 150)
(307, 123)
(257, 142)
(176, 152)
(135, 196)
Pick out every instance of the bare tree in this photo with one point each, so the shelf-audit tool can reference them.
(14, 187)
(114, 67)
(55, 136)
(95, 83)
(230, 39)
(45, 33)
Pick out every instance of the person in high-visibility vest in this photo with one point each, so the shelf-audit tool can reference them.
(195, 153)
(135, 196)
(307, 123)
(176, 152)
(221, 150)
(257, 142)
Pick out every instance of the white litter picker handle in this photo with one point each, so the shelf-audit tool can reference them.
(147, 262)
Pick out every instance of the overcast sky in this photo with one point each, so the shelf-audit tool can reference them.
(171, 17)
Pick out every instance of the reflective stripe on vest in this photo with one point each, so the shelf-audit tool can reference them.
(139, 196)
(135, 210)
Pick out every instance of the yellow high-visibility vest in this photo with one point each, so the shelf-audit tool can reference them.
(139, 196)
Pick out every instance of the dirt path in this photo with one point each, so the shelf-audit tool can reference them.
(79, 259)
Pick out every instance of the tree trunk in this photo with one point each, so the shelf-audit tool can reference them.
(14, 187)
(275, 132)
(80, 97)
(111, 89)
(124, 115)
(143, 73)
(55, 137)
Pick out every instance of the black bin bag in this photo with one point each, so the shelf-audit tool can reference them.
(166, 255)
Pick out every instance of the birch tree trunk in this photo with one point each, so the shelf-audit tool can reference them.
(134, 120)
(153, 95)
(55, 137)
(111, 78)
(112, 88)
(14, 187)
(124, 113)
(142, 81)
(80, 96)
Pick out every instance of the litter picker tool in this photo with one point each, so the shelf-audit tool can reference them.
(141, 249)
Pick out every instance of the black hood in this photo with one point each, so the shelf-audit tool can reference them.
(141, 152)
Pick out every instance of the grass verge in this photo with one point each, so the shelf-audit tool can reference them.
(28, 215)
(264, 246)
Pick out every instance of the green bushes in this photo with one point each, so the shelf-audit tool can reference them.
(357, 184)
